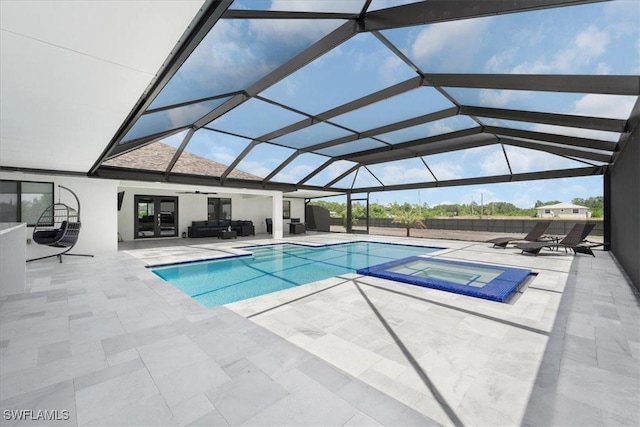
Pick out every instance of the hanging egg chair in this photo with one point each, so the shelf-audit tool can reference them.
(58, 227)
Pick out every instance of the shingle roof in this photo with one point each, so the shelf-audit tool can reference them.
(157, 156)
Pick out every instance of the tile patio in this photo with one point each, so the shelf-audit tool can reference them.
(111, 343)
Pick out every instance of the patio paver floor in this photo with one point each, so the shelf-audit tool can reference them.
(113, 344)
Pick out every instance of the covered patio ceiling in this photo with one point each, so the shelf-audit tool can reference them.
(365, 96)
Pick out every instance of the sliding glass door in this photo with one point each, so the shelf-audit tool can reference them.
(156, 216)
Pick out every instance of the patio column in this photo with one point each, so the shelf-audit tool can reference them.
(349, 214)
(276, 214)
(606, 209)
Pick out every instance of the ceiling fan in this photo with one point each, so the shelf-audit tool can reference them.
(194, 192)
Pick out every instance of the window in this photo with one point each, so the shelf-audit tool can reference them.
(547, 211)
(23, 201)
(286, 209)
(575, 211)
(9, 206)
(218, 208)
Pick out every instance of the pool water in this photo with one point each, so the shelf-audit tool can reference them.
(276, 267)
(492, 282)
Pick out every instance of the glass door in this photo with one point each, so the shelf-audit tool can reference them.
(156, 216)
(359, 214)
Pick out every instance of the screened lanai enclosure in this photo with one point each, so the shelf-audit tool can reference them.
(362, 96)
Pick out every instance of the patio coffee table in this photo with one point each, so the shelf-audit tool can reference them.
(228, 234)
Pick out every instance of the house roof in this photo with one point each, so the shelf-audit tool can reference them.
(157, 156)
(562, 206)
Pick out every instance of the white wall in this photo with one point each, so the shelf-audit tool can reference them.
(101, 220)
(254, 208)
(13, 273)
(564, 213)
(98, 201)
(252, 205)
(297, 210)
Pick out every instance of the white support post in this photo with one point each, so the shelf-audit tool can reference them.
(276, 212)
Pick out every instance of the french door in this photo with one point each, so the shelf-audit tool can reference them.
(155, 216)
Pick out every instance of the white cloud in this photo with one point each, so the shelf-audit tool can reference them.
(446, 170)
(622, 17)
(396, 174)
(500, 98)
(292, 30)
(290, 86)
(213, 146)
(590, 105)
(337, 6)
(592, 42)
(438, 128)
(186, 114)
(615, 107)
(294, 174)
(221, 156)
(390, 68)
(337, 168)
(174, 140)
(525, 160)
(444, 202)
(522, 160)
(384, 4)
(579, 132)
(522, 200)
(463, 36)
(494, 163)
(594, 105)
(253, 167)
(583, 50)
(501, 62)
(476, 152)
(365, 179)
(603, 68)
(535, 67)
(221, 58)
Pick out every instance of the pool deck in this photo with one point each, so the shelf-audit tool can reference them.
(110, 342)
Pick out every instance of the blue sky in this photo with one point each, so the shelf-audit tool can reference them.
(601, 38)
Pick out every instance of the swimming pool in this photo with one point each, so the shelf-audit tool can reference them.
(276, 267)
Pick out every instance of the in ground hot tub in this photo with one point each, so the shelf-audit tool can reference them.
(495, 283)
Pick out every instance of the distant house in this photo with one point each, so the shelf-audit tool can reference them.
(563, 210)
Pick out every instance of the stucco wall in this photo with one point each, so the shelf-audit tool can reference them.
(193, 207)
(98, 200)
(564, 213)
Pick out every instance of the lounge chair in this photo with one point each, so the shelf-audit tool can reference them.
(574, 240)
(534, 235)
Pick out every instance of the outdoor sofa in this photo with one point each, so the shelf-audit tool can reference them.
(216, 227)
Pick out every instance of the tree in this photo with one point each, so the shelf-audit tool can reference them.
(551, 202)
(409, 219)
(377, 211)
(595, 205)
